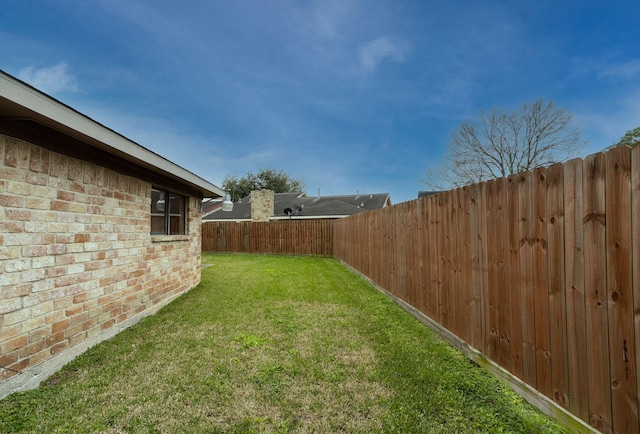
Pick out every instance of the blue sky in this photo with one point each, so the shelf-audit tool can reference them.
(347, 95)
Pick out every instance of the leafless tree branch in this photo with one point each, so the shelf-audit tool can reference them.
(499, 144)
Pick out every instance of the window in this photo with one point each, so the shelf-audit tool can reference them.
(168, 211)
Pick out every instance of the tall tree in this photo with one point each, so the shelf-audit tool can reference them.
(271, 179)
(500, 143)
(630, 138)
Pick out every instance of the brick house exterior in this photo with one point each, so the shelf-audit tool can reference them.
(78, 260)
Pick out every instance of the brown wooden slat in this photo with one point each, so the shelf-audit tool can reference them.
(503, 290)
(595, 265)
(527, 286)
(456, 302)
(385, 257)
(575, 290)
(540, 282)
(477, 273)
(493, 227)
(635, 255)
(401, 249)
(425, 247)
(484, 266)
(619, 284)
(434, 259)
(556, 284)
(513, 276)
(464, 264)
(443, 250)
(413, 267)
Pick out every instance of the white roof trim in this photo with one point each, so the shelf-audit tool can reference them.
(53, 113)
(273, 218)
(311, 217)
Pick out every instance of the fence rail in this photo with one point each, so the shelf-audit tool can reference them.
(295, 237)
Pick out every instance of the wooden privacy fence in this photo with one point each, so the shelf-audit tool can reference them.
(294, 237)
(539, 271)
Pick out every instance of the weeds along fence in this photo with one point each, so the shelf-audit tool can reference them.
(295, 237)
(539, 271)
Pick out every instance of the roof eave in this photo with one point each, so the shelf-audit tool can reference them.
(20, 100)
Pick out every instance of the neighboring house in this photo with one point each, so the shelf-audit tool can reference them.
(211, 205)
(96, 232)
(264, 205)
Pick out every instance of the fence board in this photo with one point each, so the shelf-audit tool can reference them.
(527, 287)
(557, 299)
(375, 247)
(403, 233)
(434, 258)
(390, 230)
(464, 264)
(445, 247)
(370, 228)
(413, 232)
(477, 273)
(484, 266)
(595, 281)
(387, 242)
(618, 229)
(513, 277)
(540, 282)
(493, 227)
(423, 255)
(574, 290)
(635, 255)
(456, 304)
(502, 258)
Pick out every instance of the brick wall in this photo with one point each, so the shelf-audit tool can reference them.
(77, 262)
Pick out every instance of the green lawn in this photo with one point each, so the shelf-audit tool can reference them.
(273, 344)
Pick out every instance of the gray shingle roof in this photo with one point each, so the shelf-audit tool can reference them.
(311, 207)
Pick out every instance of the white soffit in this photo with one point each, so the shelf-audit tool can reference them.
(29, 102)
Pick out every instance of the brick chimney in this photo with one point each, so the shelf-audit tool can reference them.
(262, 202)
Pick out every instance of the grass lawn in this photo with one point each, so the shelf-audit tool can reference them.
(273, 344)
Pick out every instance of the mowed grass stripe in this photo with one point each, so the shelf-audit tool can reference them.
(273, 344)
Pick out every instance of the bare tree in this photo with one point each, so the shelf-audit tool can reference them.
(499, 144)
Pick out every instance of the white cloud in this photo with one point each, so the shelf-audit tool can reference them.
(52, 79)
(377, 51)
